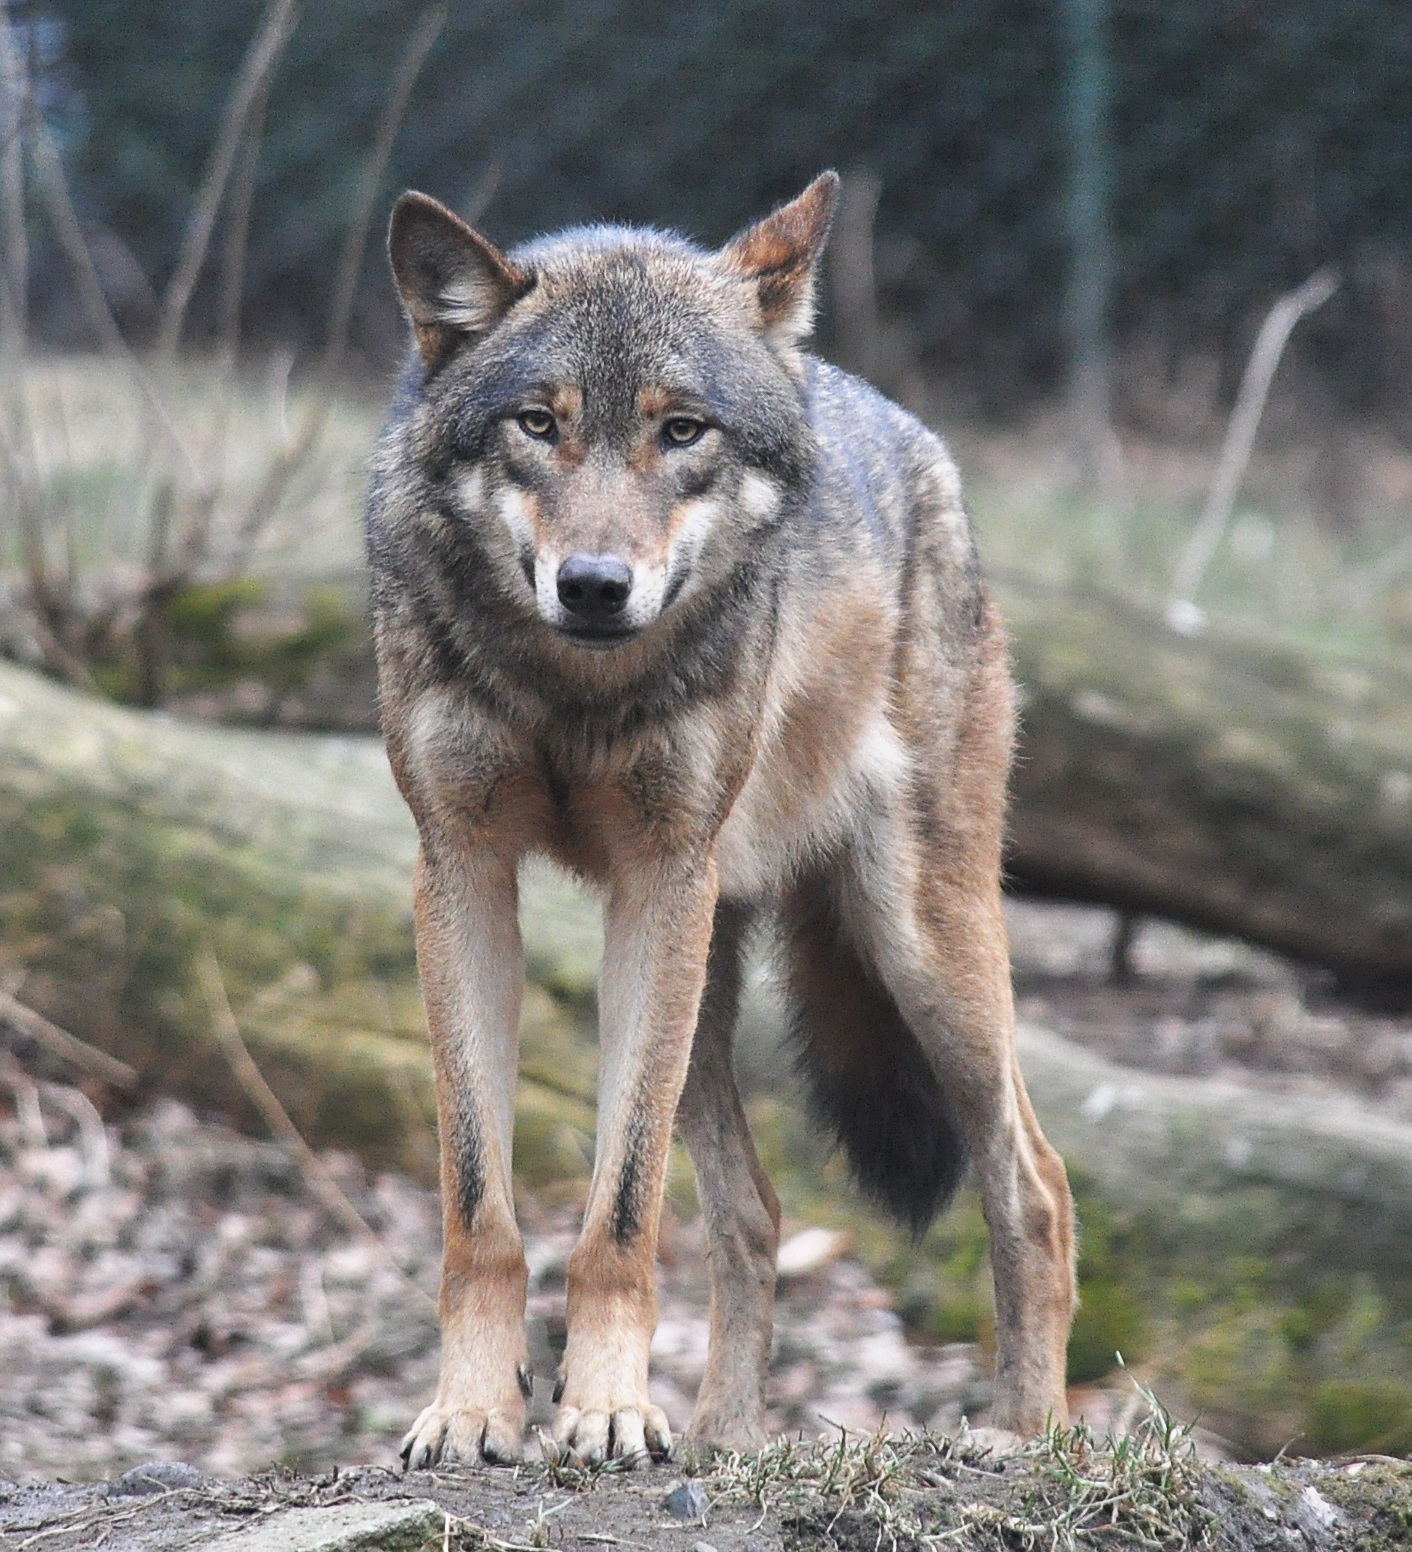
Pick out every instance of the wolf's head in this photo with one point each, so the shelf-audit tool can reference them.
(615, 412)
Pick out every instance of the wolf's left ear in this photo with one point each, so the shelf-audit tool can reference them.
(781, 253)
(453, 282)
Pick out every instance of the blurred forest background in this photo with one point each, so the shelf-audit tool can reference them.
(1147, 265)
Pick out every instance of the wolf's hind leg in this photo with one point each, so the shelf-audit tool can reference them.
(935, 927)
(472, 970)
(956, 996)
(741, 1211)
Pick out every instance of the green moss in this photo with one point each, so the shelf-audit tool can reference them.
(205, 613)
(1108, 1322)
(1110, 1318)
(218, 634)
(1346, 1415)
(105, 912)
(553, 1140)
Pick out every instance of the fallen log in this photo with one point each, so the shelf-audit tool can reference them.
(1229, 779)
(1254, 1173)
(1237, 783)
(133, 844)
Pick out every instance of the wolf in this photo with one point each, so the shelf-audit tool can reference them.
(662, 596)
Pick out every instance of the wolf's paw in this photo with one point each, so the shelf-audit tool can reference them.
(723, 1431)
(628, 1434)
(444, 1434)
(998, 1442)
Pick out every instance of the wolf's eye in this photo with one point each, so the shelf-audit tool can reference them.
(536, 423)
(682, 430)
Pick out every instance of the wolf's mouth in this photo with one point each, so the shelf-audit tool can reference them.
(599, 638)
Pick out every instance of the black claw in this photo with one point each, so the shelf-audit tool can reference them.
(559, 1388)
(525, 1375)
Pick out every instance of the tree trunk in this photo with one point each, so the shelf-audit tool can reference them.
(1232, 782)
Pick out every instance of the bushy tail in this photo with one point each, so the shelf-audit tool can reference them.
(867, 1080)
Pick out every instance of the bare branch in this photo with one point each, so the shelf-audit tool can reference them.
(57, 657)
(250, 81)
(78, 1053)
(54, 190)
(233, 258)
(285, 468)
(1182, 613)
(350, 260)
(276, 1117)
(25, 500)
(97, 1162)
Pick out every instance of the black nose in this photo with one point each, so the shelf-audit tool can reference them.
(594, 587)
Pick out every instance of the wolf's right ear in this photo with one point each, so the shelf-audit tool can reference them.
(453, 282)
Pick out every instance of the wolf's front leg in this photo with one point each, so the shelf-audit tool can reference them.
(472, 971)
(657, 933)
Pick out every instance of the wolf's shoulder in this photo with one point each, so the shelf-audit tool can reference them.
(876, 464)
(844, 408)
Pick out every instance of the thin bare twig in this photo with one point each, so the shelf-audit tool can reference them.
(285, 467)
(255, 70)
(233, 260)
(54, 190)
(97, 1165)
(34, 1026)
(276, 1117)
(27, 504)
(350, 260)
(237, 229)
(16, 420)
(27, 1109)
(1182, 613)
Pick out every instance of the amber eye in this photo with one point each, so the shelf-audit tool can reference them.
(682, 430)
(536, 423)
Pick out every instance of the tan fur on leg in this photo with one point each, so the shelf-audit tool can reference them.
(949, 969)
(468, 947)
(657, 933)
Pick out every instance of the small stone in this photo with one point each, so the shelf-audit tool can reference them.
(687, 1502)
(161, 1476)
(810, 1250)
(702, 1546)
(1313, 1512)
(356, 1527)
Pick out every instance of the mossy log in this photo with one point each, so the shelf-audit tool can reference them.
(1239, 1172)
(129, 842)
(1227, 780)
